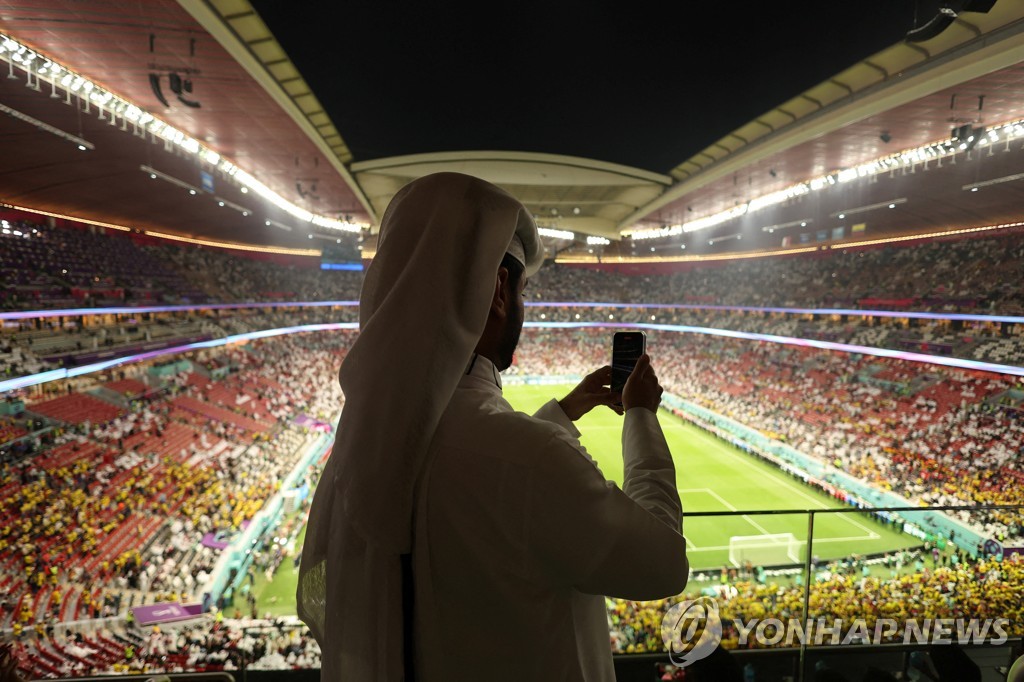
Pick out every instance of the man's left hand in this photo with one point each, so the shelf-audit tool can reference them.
(592, 391)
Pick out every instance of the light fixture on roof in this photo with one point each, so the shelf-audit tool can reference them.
(154, 174)
(39, 69)
(555, 234)
(287, 228)
(891, 203)
(724, 238)
(81, 143)
(967, 136)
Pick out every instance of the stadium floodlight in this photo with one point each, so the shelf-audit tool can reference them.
(57, 75)
(776, 549)
(555, 234)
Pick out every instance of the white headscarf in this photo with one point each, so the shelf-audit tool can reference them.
(423, 306)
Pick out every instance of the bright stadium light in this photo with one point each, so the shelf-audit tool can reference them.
(555, 234)
(45, 69)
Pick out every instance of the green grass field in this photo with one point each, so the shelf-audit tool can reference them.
(712, 476)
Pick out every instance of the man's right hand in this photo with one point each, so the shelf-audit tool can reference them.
(642, 388)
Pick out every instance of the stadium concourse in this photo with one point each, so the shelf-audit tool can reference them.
(125, 486)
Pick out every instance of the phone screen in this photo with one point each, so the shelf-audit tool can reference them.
(627, 347)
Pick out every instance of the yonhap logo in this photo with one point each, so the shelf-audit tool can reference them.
(691, 630)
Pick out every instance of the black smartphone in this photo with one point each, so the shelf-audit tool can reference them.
(627, 347)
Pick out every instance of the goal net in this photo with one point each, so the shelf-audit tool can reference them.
(764, 550)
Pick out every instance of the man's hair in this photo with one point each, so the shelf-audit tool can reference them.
(515, 270)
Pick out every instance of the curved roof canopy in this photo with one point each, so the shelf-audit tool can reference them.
(261, 160)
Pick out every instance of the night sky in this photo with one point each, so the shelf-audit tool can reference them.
(642, 86)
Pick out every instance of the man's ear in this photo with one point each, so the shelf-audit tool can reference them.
(501, 300)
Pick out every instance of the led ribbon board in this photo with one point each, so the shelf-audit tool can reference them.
(57, 374)
(855, 312)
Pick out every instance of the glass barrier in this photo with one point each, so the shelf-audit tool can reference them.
(782, 593)
(837, 578)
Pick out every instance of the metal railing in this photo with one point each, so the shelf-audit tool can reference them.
(817, 559)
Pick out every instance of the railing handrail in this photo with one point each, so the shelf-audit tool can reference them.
(849, 509)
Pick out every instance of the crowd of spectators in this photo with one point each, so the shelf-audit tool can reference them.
(60, 267)
(111, 512)
(983, 589)
(46, 267)
(952, 275)
(934, 435)
(50, 267)
(207, 644)
(112, 509)
(233, 278)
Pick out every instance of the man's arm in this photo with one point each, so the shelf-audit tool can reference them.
(598, 538)
(552, 411)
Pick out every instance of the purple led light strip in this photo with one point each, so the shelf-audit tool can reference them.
(856, 312)
(75, 312)
(794, 341)
(54, 375)
(57, 374)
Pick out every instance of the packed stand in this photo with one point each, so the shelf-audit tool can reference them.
(928, 589)
(111, 509)
(980, 274)
(934, 435)
(44, 267)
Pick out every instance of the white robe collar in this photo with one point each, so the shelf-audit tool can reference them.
(480, 369)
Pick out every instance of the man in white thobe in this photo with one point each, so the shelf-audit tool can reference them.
(518, 535)
(451, 537)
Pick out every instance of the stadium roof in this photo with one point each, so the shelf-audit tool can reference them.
(600, 123)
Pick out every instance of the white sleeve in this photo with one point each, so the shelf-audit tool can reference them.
(590, 534)
(649, 472)
(552, 412)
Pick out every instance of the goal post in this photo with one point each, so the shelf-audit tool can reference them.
(776, 549)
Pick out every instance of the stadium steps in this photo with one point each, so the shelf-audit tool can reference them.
(162, 533)
(41, 604)
(71, 596)
(76, 408)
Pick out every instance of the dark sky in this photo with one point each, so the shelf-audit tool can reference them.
(639, 85)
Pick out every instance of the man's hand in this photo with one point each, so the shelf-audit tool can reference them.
(642, 388)
(592, 391)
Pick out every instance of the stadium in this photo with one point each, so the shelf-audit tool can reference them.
(831, 284)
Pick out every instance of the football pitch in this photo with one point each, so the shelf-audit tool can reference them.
(712, 476)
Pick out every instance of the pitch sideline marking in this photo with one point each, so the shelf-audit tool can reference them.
(871, 535)
(800, 542)
(745, 517)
